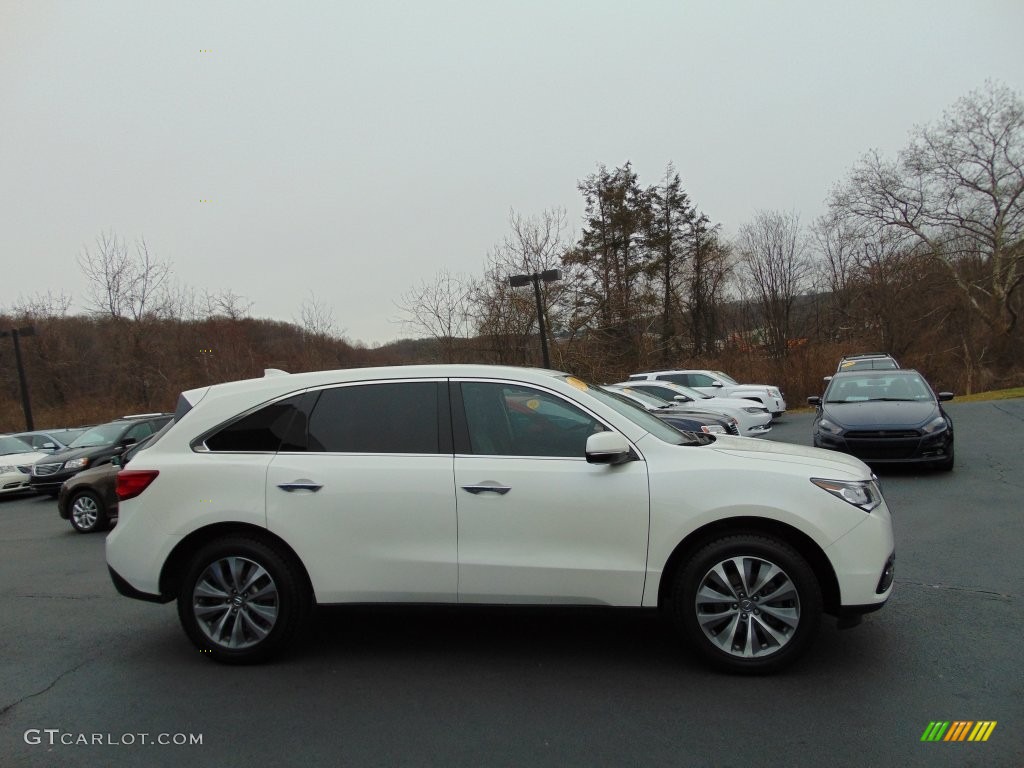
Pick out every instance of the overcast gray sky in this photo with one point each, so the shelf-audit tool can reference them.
(351, 150)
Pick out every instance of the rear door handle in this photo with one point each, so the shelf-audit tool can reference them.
(300, 485)
(487, 487)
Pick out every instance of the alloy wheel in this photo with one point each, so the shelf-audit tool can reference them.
(235, 602)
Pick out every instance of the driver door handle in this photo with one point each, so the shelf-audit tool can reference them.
(487, 487)
(300, 485)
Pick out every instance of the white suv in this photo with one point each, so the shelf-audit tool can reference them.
(716, 383)
(496, 485)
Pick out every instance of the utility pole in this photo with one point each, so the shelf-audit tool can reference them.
(548, 276)
(26, 405)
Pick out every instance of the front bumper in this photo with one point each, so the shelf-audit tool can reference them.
(900, 449)
(14, 482)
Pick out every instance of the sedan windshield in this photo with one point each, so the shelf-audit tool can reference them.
(14, 445)
(106, 434)
(726, 378)
(871, 388)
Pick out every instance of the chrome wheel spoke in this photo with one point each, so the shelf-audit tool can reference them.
(787, 615)
(206, 589)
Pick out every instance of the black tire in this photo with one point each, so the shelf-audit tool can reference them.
(947, 464)
(769, 628)
(236, 626)
(87, 513)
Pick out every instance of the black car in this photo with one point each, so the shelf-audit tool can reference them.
(885, 417)
(89, 499)
(96, 446)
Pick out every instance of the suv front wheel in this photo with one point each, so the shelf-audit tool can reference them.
(241, 600)
(747, 603)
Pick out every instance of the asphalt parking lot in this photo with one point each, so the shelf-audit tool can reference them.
(483, 687)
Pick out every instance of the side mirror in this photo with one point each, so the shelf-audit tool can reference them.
(814, 400)
(944, 396)
(828, 378)
(608, 448)
(48, 447)
(129, 441)
(682, 398)
(717, 384)
(115, 460)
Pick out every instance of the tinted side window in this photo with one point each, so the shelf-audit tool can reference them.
(676, 378)
(263, 429)
(511, 420)
(393, 417)
(139, 431)
(663, 392)
(701, 380)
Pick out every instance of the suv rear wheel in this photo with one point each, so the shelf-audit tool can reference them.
(747, 603)
(241, 600)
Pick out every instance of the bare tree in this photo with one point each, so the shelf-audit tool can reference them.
(774, 261)
(122, 284)
(505, 317)
(438, 309)
(958, 191)
(316, 319)
(42, 306)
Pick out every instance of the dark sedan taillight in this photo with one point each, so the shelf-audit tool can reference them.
(131, 482)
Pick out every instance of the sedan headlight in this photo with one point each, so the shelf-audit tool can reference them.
(827, 426)
(756, 410)
(935, 425)
(81, 463)
(860, 493)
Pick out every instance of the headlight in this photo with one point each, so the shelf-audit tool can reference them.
(935, 425)
(756, 410)
(713, 429)
(81, 463)
(827, 426)
(860, 493)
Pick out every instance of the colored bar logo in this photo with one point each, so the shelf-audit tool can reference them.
(958, 730)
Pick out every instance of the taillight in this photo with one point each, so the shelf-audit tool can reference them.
(132, 482)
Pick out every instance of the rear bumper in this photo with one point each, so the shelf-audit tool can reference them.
(126, 589)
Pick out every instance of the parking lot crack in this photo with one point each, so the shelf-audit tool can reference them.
(985, 593)
(1008, 412)
(48, 688)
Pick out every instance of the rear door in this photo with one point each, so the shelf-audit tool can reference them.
(365, 494)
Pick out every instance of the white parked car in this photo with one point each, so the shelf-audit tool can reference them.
(16, 460)
(494, 485)
(753, 419)
(716, 383)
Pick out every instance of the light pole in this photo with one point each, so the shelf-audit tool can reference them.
(548, 276)
(15, 334)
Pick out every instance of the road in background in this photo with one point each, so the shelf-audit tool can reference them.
(482, 687)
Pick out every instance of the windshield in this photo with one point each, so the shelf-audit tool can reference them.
(14, 445)
(870, 388)
(651, 401)
(638, 415)
(726, 378)
(106, 434)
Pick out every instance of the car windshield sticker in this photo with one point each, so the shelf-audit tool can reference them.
(572, 381)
